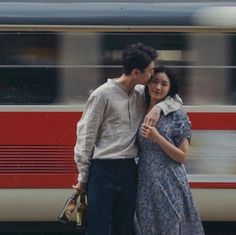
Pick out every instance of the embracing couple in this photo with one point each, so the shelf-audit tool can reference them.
(136, 115)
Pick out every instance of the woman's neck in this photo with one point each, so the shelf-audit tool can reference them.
(152, 103)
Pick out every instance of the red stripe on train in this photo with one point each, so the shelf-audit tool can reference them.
(38, 128)
(66, 181)
(32, 180)
(53, 128)
(213, 185)
(213, 121)
(22, 132)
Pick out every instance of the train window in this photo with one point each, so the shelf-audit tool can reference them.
(26, 72)
(232, 71)
(209, 74)
(65, 67)
(201, 62)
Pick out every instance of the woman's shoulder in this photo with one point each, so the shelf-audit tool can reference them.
(180, 116)
(180, 112)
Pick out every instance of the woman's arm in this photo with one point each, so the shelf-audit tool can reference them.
(179, 154)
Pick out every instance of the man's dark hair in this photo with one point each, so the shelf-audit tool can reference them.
(137, 56)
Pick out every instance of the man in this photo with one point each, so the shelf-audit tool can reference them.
(105, 147)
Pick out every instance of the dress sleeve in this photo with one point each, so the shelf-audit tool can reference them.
(182, 127)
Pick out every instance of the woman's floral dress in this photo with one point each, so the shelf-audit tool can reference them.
(165, 204)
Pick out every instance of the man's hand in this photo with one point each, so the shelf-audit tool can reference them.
(153, 116)
(80, 187)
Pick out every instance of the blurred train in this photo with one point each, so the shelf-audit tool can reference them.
(53, 55)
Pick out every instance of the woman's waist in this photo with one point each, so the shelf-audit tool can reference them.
(157, 158)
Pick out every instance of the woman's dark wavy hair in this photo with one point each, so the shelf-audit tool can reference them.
(174, 89)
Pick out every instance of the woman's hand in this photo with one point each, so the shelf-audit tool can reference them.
(149, 132)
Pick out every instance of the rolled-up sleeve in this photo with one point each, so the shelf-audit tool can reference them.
(87, 132)
(170, 104)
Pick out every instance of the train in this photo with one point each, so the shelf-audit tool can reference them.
(53, 55)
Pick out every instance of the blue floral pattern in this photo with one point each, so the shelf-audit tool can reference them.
(165, 205)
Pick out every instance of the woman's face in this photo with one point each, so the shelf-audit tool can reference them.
(159, 87)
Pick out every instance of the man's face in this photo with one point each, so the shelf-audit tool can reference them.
(147, 74)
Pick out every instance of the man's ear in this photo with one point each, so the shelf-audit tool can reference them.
(135, 72)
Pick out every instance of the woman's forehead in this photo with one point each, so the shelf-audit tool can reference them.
(162, 76)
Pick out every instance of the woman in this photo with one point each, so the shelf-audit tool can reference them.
(165, 204)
